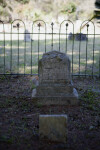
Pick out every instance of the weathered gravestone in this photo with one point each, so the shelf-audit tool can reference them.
(55, 84)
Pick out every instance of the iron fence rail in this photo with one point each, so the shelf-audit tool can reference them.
(30, 59)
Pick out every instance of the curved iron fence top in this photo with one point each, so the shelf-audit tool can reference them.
(39, 25)
(66, 25)
(18, 25)
(87, 24)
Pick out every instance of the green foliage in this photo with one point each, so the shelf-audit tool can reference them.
(2, 78)
(1, 10)
(90, 99)
(3, 3)
(6, 139)
(70, 8)
(39, 105)
(23, 1)
(6, 103)
(33, 86)
(36, 15)
(10, 8)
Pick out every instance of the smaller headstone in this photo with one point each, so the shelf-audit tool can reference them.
(53, 128)
(27, 37)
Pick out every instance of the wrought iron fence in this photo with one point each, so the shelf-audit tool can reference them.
(21, 46)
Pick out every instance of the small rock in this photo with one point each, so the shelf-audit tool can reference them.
(33, 92)
(6, 110)
(36, 81)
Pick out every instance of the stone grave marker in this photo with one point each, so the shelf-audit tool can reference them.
(27, 37)
(77, 37)
(53, 128)
(55, 84)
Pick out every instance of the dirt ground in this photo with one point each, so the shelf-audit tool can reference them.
(19, 125)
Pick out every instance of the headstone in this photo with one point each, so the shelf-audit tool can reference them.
(27, 37)
(53, 128)
(77, 37)
(81, 37)
(71, 36)
(55, 84)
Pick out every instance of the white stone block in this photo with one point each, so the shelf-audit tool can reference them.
(53, 127)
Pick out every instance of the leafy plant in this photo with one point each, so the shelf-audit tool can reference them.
(90, 96)
(70, 8)
(23, 1)
(36, 15)
(6, 139)
(90, 99)
(39, 105)
(1, 10)
(2, 77)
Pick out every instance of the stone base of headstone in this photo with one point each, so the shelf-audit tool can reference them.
(56, 95)
(53, 128)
